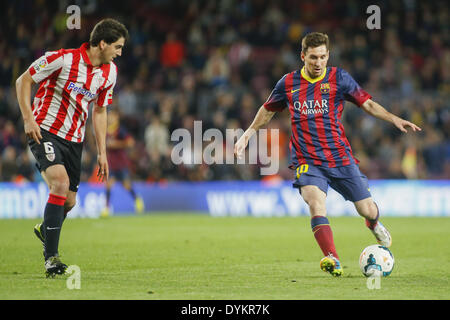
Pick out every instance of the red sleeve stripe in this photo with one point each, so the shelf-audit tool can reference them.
(49, 60)
(104, 91)
(360, 97)
(32, 71)
(54, 56)
(273, 108)
(106, 72)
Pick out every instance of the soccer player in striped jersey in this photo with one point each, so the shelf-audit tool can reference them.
(69, 81)
(320, 152)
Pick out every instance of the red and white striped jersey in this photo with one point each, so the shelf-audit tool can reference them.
(68, 84)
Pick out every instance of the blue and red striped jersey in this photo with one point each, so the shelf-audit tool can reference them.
(316, 106)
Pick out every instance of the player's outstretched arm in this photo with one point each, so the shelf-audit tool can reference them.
(99, 121)
(261, 119)
(23, 90)
(376, 110)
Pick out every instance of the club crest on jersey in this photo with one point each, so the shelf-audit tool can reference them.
(50, 157)
(325, 88)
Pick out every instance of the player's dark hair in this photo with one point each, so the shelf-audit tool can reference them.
(108, 30)
(314, 40)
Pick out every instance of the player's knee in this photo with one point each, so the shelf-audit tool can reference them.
(367, 209)
(60, 186)
(316, 207)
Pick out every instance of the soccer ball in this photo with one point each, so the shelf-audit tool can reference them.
(376, 260)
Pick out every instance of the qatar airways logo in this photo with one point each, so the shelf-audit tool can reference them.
(312, 106)
(80, 90)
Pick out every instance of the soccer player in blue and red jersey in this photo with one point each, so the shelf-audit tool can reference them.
(118, 140)
(320, 152)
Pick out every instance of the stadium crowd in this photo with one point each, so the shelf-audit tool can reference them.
(217, 61)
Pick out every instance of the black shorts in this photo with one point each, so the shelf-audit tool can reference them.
(56, 150)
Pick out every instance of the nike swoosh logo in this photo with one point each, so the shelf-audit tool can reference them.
(48, 228)
(292, 91)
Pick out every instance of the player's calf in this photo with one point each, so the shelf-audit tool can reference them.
(69, 204)
(369, 209)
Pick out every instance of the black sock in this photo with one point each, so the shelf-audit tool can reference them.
(108, 196)
(53, 219)
(133, 194)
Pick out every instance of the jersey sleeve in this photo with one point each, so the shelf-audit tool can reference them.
(44, 66)
(105, 95)
(352, 91)
(277, 100)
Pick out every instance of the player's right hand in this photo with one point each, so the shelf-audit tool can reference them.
(239, 147)
(32, 130)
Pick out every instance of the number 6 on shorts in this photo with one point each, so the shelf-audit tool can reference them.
(48, 147)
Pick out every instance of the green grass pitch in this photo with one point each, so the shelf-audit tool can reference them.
(198, 257)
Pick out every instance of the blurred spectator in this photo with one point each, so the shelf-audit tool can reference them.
(127, 101)
(9, 166)
(26, 169)
(217, 69)
(172, 51)
(156, 140)
(239, 52)
(9, 136)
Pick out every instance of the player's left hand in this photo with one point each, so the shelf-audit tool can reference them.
(402, 124)
(103, 169)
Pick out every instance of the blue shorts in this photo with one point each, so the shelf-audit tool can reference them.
(120, 174)
(347, 180)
